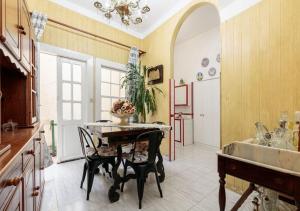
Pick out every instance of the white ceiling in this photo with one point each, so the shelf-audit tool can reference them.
(161, 10)
(201, 20)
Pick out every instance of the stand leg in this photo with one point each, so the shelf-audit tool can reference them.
(160, 167)
(245, 195)
(222, 194)
(113, 195)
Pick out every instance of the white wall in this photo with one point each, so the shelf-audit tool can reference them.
(188, 55)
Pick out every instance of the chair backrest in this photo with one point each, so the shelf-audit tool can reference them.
(86, 142)
(154, 139)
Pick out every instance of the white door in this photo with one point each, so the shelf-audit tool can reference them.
(71, 107)
(207, 112)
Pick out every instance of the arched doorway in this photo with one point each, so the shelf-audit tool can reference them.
(195, 58)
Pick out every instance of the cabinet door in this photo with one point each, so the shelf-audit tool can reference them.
(15, 204)
(29, 191)
(10, 24)
(37, 170)
(25, 37)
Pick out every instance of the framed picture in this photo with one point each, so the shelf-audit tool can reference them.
(155, 75)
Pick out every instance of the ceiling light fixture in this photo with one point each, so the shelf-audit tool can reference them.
(130, 11)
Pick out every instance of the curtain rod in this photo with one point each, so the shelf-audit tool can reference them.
(92, 34)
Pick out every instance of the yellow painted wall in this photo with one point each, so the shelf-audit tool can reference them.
(260, 68)
(65, 38)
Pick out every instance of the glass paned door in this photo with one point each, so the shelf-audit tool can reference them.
(71, 104)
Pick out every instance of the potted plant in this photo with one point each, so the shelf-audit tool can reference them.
(142, 96)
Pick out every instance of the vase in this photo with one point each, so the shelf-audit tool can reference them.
(123, 118)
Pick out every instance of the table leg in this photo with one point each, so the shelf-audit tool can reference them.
(113, 195)
(160, 167)
(222, 194)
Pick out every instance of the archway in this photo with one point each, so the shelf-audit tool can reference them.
(195, 61)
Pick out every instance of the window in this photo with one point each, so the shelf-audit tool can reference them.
(110, 90)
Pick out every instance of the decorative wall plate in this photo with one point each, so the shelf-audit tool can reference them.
(199, 76)
(212, 71)
(205, 62)
(218, 59)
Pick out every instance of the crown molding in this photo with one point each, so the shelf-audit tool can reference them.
(235, 8)
(166, 16)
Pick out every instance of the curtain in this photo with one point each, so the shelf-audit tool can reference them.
(38, 21)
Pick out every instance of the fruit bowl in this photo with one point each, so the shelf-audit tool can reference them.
(123, 109)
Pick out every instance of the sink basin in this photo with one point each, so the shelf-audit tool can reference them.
(286, 161)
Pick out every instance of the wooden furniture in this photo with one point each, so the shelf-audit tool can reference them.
(22, 166)
(281, 182)
(118, 135)
(143, 162)
(18, 65)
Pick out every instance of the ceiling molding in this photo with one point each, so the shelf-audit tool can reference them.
(235, 8)
(166, 16)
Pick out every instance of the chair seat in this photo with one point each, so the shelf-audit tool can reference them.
(141, 153)
(139, 157)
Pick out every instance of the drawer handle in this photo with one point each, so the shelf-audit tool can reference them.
(20, 27)
(35, 193)
(37, 139)
(42, 131)
(37, 188)
(13, 182)
(23, 32)
(30, 152)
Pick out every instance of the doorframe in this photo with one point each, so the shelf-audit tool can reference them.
(88, 88)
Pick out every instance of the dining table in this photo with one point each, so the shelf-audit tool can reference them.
(119, 135)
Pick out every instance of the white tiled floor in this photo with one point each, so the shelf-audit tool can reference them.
(191, 184)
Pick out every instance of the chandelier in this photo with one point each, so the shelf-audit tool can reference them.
(130, 11)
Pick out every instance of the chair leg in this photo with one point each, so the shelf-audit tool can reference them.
(124, 175)
(105, 166)
(140, 187)
(91, 173)
(158, 183)
(84, 173)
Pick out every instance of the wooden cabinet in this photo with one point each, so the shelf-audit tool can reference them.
(22, 181)
(10, 26)
(22, 167)
(16, 30)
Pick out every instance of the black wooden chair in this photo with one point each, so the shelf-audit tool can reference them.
(94, 156)
(144, 162)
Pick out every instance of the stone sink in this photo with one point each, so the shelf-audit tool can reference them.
(282, 160)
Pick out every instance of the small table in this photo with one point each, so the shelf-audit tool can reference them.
(282, 182)
(118, 135)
